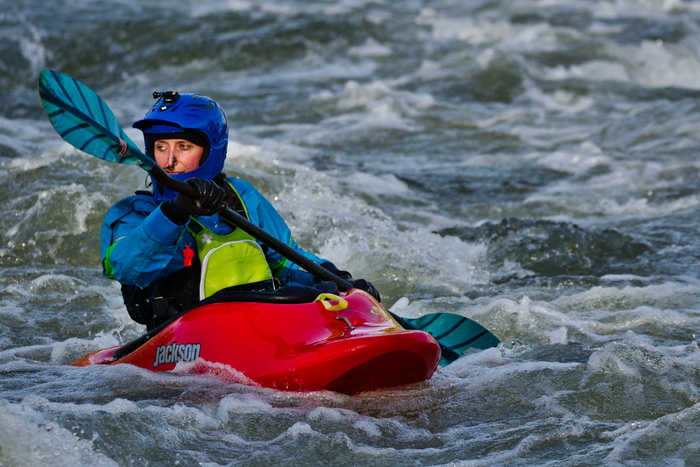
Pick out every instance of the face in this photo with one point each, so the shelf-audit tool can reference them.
(177, 156)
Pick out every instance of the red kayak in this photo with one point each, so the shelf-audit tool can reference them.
(294, 341)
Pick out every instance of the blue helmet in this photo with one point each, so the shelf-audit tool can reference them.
(193, 117)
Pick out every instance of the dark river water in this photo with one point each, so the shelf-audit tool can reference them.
(532, 165)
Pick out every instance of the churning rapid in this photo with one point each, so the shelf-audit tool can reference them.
(532, 165)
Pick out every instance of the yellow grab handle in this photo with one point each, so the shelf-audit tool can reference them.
(326, 299)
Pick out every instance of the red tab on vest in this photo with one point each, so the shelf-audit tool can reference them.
(188, 253)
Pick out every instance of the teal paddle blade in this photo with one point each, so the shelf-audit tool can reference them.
(456, 333)
(84, 120)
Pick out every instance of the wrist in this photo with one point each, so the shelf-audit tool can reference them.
(173, 214)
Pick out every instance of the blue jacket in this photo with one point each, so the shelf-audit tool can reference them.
(139, 244)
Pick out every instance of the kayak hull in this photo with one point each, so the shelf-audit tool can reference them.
(345, 343)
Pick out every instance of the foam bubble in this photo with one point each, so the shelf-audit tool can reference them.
(371, 48)
(235, 404)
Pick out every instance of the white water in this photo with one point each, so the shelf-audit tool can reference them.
(467, 157)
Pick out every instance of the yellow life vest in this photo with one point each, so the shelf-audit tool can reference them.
(228, 260)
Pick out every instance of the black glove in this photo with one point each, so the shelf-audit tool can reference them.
(332, 268)
(208, 201)
(361, 284)
(367, 287)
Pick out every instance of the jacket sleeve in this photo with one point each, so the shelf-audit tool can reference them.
(139, 244)
(264, 215)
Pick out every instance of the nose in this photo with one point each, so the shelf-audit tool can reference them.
(172, 160)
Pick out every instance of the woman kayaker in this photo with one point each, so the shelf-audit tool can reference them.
(169, 250)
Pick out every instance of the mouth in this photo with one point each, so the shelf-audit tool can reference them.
(170, 169)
